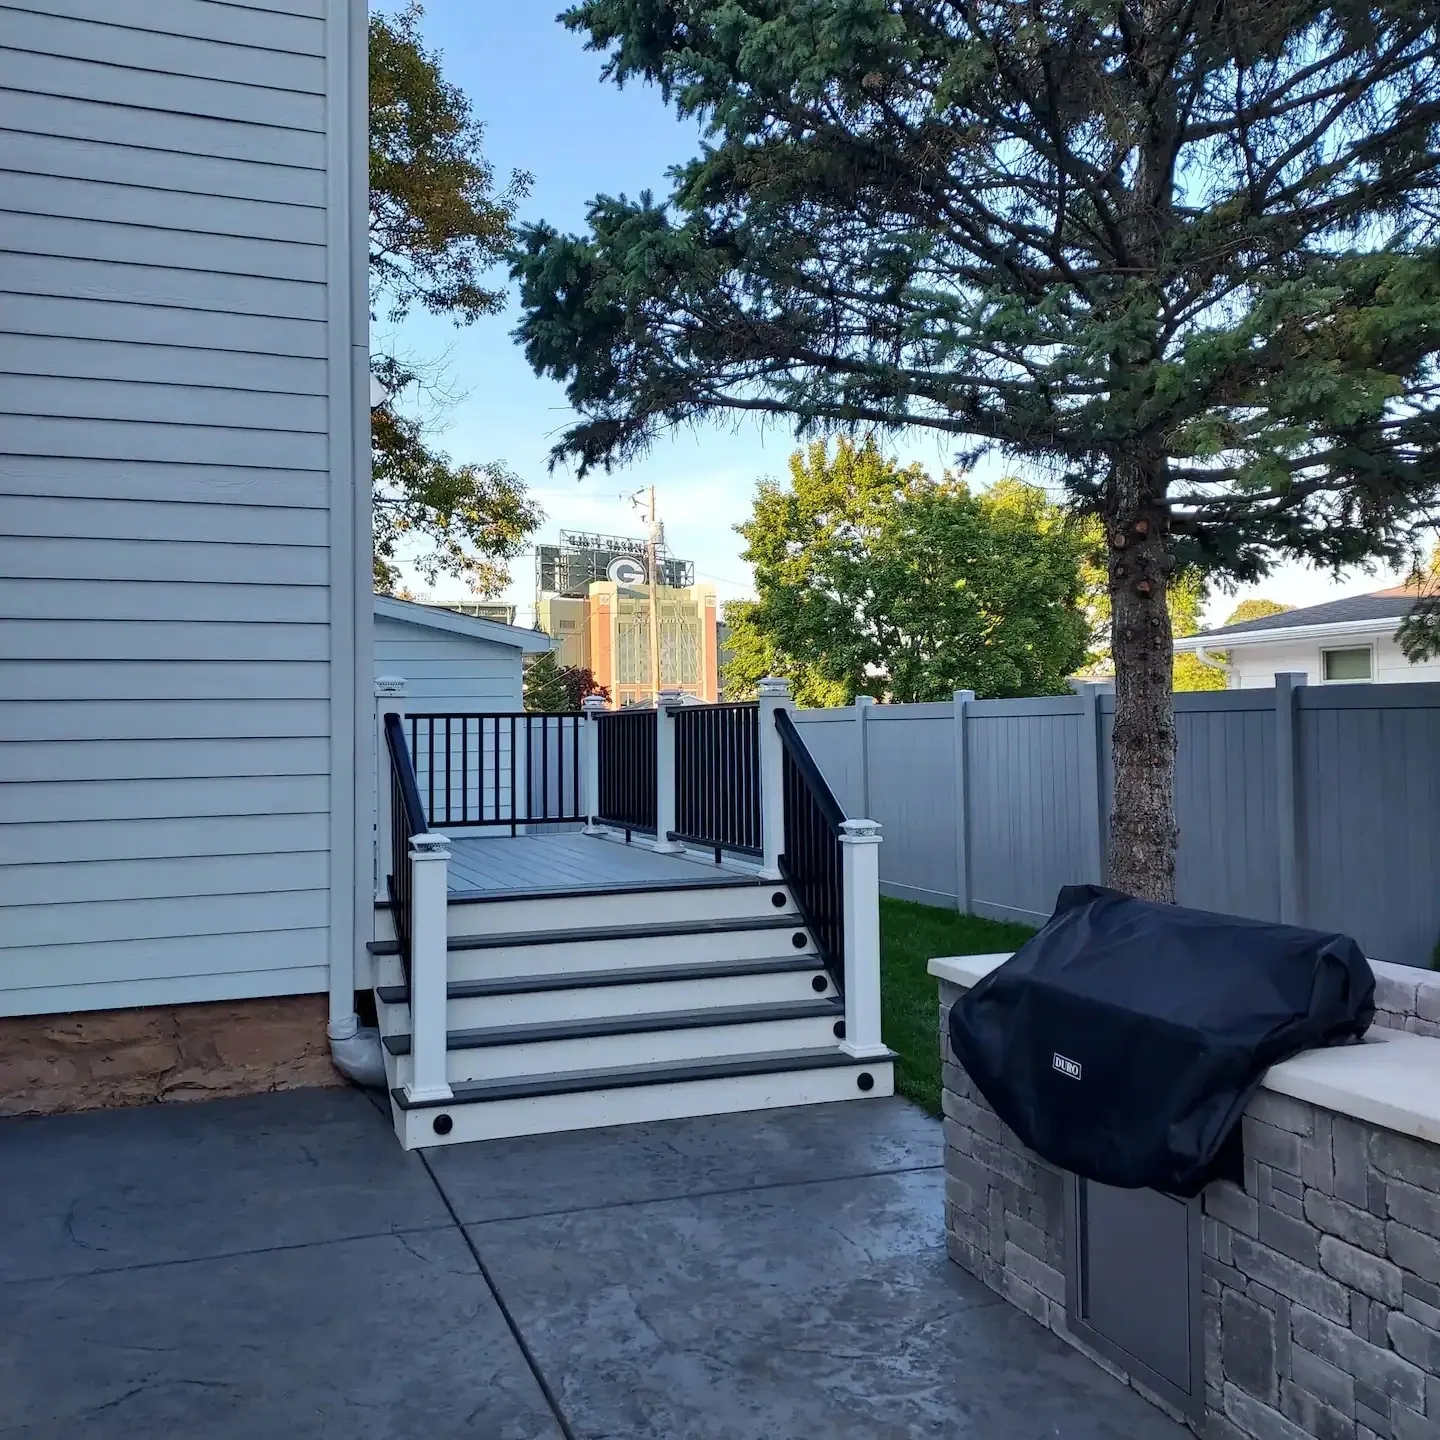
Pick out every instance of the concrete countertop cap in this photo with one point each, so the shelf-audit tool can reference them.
(1391, 1079)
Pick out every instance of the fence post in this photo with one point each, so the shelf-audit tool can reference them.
(862, 734)
(1092, 779)
(593, 707)
(774, 694)
(1287, 818)
(962, 806)
(429, 967)
(389, 700)
(665, 772)
(860, 861)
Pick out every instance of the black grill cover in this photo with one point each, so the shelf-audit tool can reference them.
(1124, 1040)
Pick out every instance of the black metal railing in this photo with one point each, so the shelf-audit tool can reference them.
(812, 861)
(491, 770)
(625, 744)
(717, 777)
(407, 818)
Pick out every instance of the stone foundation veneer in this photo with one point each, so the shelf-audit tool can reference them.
(1321, 1277)
(96, 1059)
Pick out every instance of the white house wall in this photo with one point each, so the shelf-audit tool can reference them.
(168, 425)
(1254, 667)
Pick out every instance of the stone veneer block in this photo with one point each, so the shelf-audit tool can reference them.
(1321, 1304)
(88, 1061)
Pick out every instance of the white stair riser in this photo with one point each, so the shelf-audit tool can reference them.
(511, 917)
(567, 957)
(539, 1115)
(543, 1007)
(557, 1057)
(650, 907)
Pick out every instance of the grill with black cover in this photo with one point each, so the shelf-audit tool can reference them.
(1124, 1040)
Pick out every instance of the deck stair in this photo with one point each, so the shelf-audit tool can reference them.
(698, 991)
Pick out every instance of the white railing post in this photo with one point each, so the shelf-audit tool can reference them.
(774, 695)
(665, 772)
(389, 700)
(860, 852)
(429, 968)
(594, 707)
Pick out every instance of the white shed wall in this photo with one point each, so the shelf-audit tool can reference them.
(173, 695)
(448, 672)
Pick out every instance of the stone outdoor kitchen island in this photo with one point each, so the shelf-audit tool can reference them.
(1317, 1307)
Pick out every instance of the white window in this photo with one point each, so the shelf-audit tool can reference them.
(1354, 663)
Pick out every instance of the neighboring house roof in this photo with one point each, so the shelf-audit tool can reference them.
(1378, 613)
(528, 642)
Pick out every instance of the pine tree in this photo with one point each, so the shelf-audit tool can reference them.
(1179, 257)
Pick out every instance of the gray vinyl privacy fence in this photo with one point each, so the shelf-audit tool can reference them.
(1318, 805)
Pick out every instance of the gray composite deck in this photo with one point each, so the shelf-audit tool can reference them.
(546, 864)
(278, 1266)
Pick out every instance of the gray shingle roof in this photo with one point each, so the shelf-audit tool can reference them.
(1382, 605)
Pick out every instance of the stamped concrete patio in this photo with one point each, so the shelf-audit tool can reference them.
(278, 1266)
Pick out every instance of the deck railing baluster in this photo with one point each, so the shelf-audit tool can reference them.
(442, 768)
(717, 783)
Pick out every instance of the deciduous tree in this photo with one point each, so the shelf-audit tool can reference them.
(876, 579)
(551, 687)
(1180, 256)
(1256, 609)
(439, 220)
(1186, 599)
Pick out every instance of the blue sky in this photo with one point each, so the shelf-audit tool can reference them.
(546, 110)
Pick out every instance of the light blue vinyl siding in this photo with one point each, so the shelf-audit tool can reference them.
(165, 605)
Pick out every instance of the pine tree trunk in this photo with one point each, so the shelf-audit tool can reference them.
(1142, 814)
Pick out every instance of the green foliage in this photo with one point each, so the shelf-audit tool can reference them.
(1186, 598)
(437, 224)
(1180, 257)
(552, 688)
(910, 937)
(1191, 673)
(874, 579)
(1419, 632)
(1257, 609)
(1195, 241)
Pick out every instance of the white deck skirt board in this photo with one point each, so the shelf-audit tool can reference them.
(500, 864)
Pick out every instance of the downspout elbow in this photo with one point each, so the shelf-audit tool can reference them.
(1222, 665)
(355, 1050)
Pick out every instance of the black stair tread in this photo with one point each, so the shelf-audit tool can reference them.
(598, 979)
(696, 1018)
(661, 930)
(626, 1077)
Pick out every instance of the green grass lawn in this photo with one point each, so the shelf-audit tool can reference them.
(910, 937)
